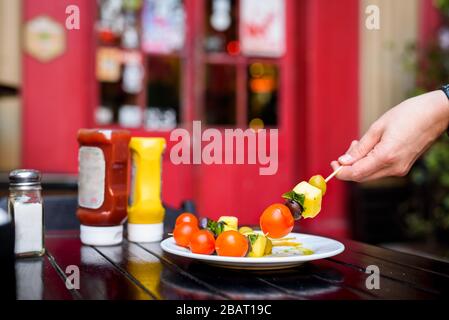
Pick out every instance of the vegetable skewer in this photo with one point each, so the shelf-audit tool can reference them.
(333, 174)
(304, 201)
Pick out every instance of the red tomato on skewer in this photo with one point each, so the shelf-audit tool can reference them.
(276, 221)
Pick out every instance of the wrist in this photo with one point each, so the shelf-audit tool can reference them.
(441, 102)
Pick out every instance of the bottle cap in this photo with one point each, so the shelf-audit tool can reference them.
(101, 236)
(145, 232)
(25, 179)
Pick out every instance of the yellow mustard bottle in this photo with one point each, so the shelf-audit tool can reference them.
(145, 210)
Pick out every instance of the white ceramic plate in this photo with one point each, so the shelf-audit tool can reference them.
(282, 257)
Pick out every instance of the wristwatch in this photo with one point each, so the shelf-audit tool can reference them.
(445, 89)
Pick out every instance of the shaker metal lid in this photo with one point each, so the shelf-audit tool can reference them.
(24, 177)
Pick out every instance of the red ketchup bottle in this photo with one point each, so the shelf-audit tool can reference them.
(102, 186)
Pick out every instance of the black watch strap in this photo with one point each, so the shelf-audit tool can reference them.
(445, 89)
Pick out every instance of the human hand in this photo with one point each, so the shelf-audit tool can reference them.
(397, 139)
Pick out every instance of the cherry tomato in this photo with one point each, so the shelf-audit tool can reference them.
(231, 244)
(183, 232)
(202, 242)
(276, 221)
(186, 217)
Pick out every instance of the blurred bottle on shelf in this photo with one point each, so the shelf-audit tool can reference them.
(108, 66)
(163, 26)
(104, 115)
(133, 73)
(111, 23)
(160, 120)
(221, 25)
(130, 116)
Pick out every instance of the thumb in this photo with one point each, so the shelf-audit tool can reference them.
(360, 149)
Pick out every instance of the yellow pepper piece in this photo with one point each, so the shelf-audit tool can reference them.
(312, 201)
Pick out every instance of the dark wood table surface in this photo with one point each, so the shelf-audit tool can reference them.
(144, 271)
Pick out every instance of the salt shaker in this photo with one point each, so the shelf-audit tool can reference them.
(26, 210)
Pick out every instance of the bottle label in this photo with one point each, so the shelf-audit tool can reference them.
(28, 222)
(91, 180)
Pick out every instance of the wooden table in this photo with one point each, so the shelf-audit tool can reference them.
(143, 271)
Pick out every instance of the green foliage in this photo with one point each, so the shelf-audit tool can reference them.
(431, 177)
(442, 5)
(418, 226)
(429, 209)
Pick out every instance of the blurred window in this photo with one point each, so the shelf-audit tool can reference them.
(163, 92)
(145, 56)
(262, 93)
(220, 94)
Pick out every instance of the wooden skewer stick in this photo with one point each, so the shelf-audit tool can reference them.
(333, 174)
